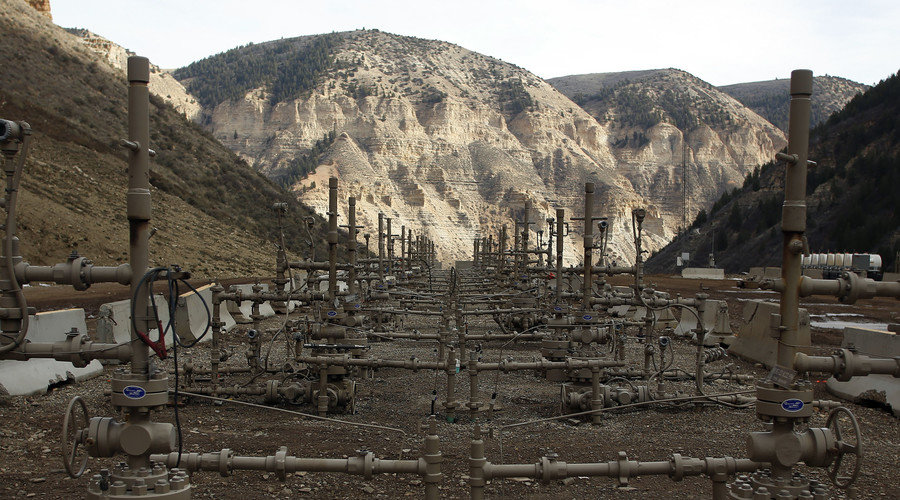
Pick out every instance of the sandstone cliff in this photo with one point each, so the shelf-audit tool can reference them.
(851, 195)
(659, 119)
(451, 142)
(42, 6)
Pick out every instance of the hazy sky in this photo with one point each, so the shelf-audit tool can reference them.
(720, 41)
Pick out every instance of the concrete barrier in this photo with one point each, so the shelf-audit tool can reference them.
(114, 318)
(114, 321)
(703, 273)
(191, 318)
(21, 378)
(665, 319)
(813, 273)
(754, 342)
(883, 389)
(637, 313)
(619, 311)
(662, 318)
(715, 321)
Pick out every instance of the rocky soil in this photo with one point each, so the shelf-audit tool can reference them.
(31, 465)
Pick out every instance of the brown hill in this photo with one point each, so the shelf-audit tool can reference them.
(851, 194)
(451, 142)
(211, 209)
(770, 98)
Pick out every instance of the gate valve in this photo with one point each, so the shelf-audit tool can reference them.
(844, 447)
(74, 435)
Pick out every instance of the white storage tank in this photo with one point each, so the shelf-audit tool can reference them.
(875, 262)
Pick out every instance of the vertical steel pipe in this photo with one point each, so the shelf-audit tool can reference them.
(332, 238)
(793, 224)
(381, 247)
(351, 245)
(588, 244)
(138, 202)
(560, 215)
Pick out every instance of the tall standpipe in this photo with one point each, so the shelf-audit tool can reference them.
(501, 253)
(403, 258)
(588, 244)
(475, 252)
(381, 248)
(525, 229)
(138, 202)
(332, 238)
(793, 226)
(409, 250)
(549, 245)
(517, 250)
(420, 254)
(389, 239)
(560, 215)
(351, 245)
(15, 139)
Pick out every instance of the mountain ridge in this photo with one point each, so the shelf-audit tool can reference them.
(851, 199)
(434, 131)
(770, 98)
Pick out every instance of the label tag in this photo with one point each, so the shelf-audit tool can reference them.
(134, 392)
(782, 376)
(331, 314)
(457, 366)
(587, 317)
(792, 405)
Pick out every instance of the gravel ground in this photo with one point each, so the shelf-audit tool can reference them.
(31, 464)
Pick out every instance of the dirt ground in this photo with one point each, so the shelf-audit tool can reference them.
(30, 463)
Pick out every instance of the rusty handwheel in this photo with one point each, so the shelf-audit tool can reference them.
(844, 446)
(72, 436)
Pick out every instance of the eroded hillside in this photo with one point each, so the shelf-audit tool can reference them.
(851, 194)
(449, 141)
(661, 119)
(211, 209)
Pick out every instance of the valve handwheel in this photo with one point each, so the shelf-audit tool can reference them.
(621, 382)
(72, 430)
(844, 447)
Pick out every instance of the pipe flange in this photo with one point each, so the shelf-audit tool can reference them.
(224, 461)
(272, 394)
(280, 457)
(624, 468)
